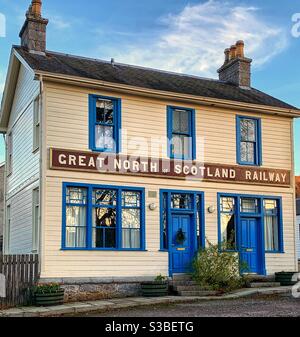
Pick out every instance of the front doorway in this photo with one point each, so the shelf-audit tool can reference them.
(182, 228)
(182, 249)
(249, 244)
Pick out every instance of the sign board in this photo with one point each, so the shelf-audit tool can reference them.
(164, 168)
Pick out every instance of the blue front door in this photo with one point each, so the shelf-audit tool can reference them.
(249, 244)
(181, 244)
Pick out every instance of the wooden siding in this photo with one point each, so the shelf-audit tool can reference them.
(25, 163)
(298, 235)
(145, 119)
(21, 222)
(67, 127)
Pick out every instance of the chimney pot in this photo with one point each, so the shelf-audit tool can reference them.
(232, 54)
(240, 49)
(227, 55)
(36, 8)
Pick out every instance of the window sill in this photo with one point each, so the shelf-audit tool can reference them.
(249, 164)
(103, 151)
(103, 250)
(275, 252)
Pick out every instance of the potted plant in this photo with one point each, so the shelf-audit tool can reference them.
(286, 278)
(157, 288)
(48, 294)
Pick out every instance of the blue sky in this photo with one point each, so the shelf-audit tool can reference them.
(177, 35)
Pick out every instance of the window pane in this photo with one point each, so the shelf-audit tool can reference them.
(104, 217)
(181, 146)
(104, 197)
(131, 218)
(176, 121)
(227, 204)
(248, 130)
(131, 199)
(104, 137)
(104, 111)
(76, 216)
(181, 121)
(247, 152)
(271, 233)
(270, 207)
(76, 237)
(228, 231)
(249, 205)
(76, 195)
(104, 238)
(131, 238)
(181, 201)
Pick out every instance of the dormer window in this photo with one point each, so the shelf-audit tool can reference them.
(105, 123)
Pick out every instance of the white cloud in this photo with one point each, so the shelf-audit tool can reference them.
(59, 22)
(194, 40)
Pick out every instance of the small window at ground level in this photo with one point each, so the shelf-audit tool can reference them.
(249, 205)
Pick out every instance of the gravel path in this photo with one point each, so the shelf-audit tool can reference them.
(275, 306)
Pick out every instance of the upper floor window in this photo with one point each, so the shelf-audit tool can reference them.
(36, 124)
(105, 123)
(249, 141)
(103, 218)
(181, 133)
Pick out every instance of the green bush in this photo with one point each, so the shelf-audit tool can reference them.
(218, 270)
(49, 288)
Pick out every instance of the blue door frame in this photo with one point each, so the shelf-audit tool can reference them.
(196, 214)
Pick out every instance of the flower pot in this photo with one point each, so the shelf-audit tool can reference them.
(55, 298)
(285, 278)
(155, 289)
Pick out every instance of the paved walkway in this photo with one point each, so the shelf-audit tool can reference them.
(130, 302)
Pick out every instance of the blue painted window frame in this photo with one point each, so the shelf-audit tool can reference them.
(119, 207)
(259, 214)
(191, 134)
(193, 210)
(258, 143)
(117, 123)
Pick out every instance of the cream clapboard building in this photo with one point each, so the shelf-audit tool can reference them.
(83, 192)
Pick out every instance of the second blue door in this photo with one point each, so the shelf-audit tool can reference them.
(249, 244)
(181, 244)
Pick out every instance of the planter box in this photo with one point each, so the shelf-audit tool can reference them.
(285, 278)
(155, 289)
(49, 299)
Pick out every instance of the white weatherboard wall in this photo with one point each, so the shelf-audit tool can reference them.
(298, 235)
(25, 163)
(67, 128)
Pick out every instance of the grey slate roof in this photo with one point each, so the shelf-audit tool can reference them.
(298, 206)
(146, 78)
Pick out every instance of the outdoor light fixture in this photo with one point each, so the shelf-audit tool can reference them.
(211, 209)
(152, 207)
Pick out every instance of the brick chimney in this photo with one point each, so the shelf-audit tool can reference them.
(33, 32)
(236, 68)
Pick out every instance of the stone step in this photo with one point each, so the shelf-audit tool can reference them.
(182, 277)
(264, 284)
(260, 278)
(197, 293)
(183, 283)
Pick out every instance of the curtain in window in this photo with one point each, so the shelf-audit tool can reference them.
(271, 233)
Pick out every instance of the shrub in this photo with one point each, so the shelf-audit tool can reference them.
(218, 270)
(49, 288)
(161, 278)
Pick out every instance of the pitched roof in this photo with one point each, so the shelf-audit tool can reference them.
(70, 65)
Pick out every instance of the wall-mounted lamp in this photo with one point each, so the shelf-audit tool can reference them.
(211, 209)
(152, 207)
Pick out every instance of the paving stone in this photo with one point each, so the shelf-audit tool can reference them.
(15, 312)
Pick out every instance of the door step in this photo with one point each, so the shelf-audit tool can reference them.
(260, 278)
(182, 277)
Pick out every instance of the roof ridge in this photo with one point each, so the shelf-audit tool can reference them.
(136, 66)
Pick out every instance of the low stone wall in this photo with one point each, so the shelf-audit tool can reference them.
(77, 290)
